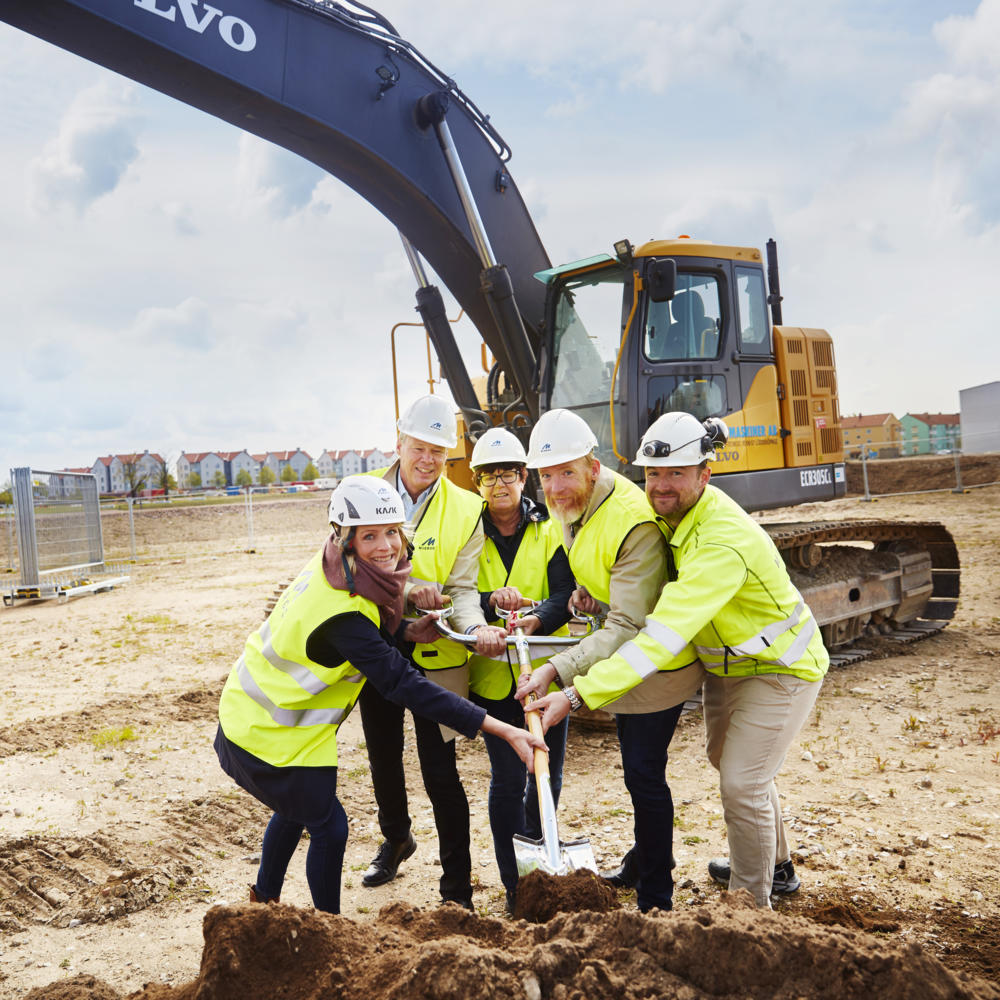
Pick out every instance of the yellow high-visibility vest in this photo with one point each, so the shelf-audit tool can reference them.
(279, 705)
(492, 677)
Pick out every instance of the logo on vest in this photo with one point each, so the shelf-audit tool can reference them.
(428, 543)
(234, 31)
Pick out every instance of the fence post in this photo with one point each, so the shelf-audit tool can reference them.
(864, 471)
(9, 518)
(131, 526)
(958, 472)
(249, 509)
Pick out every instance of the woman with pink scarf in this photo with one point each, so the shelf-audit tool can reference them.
(332, 631)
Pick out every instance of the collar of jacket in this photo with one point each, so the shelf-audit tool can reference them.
(531, 513)
(705, 505)
(603, 488)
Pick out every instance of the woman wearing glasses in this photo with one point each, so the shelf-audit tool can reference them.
(523, 562)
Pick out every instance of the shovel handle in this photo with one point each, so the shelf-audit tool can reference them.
(532, 719)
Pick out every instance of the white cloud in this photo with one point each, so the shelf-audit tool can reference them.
(271, 179)
(187, 325)
(96, 143)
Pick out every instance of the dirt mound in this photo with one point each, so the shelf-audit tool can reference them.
(919, 472)
(540, 896)
(726, 951)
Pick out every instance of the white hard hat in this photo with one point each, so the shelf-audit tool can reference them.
(430, 419)
(681, 439)
(559, 436)
(498, 447)
(359, 500)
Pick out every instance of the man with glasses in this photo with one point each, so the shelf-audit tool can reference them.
(522, 562)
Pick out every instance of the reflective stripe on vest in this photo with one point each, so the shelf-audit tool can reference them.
(596, 545)
(714, 655)
(448, 522)
(278, 704)
(493, 676)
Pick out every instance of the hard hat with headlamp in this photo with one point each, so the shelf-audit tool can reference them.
(559, 436)
(681, 439)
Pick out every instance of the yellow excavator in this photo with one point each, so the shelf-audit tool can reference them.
(622, 337)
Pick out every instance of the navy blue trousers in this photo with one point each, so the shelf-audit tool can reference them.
(644, 739)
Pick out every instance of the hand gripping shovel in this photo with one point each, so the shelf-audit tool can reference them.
(550, 854)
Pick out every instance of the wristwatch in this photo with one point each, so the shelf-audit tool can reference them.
(575, 701)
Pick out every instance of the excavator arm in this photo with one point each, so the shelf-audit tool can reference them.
(334, 83)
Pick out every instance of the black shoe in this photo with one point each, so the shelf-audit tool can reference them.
(465, 902)
(386, 862)
(785, 880)
(511, 901)
(626, 875)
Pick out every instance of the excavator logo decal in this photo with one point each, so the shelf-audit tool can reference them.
(234, 31)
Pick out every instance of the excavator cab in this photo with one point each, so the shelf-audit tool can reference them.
(683, 325)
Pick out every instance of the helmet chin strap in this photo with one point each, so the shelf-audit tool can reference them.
(348, 575)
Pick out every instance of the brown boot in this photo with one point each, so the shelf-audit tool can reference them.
(254, 898)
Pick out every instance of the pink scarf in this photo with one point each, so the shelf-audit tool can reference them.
(381, 587)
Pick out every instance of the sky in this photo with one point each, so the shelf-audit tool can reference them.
(173, 284)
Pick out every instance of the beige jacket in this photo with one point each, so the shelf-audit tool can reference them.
(636, 579)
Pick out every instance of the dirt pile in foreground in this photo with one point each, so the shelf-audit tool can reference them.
(728, 950)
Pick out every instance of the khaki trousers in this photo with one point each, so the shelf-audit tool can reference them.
(750, 723)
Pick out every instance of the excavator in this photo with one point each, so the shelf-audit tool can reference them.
(620, 337)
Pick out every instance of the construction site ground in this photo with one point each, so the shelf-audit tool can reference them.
(125, 853)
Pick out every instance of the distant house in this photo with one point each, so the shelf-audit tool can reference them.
(874, 434)
(375, 458)
(340, 463)
(235, 462)
(112, 472)
(928, 433)
(326, 464)
(980, 418)
(65, 482)
(297, 460)
(259, 461)
(203, 463)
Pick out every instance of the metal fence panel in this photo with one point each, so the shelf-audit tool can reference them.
(59, 541)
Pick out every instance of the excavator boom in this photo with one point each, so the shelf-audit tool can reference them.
(336, 84)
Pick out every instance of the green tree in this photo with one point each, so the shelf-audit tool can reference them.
(194, 480)
(310, 472)
(243, 478)
(6, 494)
(287, 474)
(266, 475)
(163, 479)
(219, 480)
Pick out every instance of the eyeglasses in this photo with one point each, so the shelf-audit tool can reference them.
(507, 476)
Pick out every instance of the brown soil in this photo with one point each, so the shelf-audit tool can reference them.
(541, 896)
(919, 472)
(125, 852)
(727, 950)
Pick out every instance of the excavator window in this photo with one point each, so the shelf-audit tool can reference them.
(751, 300)
(687, 327)
(586, 334)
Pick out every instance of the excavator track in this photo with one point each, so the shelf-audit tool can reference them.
(891, 580)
